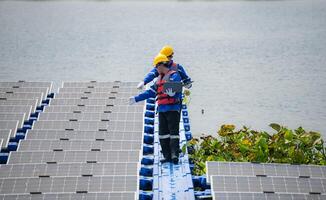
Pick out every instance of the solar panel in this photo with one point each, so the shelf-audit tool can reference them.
(66, 145)
(79, 109)
(84, 145)
(84, 102)
(130, 109)
(13, 125)
(90, 116)
(97, 90)
(83, 135)
(268, 184)
(71, 125)
(73, 196)
(74, 116)
(21, 102)
(127, 116)
(94, 109)
(17, 109)
(68, 184)
(260, 196)
(26, 95)
(43, 90)
(23, 84)
(4, 137)
(92, 95)
(88, 125)
(99, 84)
(16, 157)
(13, 116)
(86, 96)
(264, 169)
(68, 169)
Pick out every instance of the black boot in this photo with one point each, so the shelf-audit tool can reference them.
(174, 146)
(175, 160)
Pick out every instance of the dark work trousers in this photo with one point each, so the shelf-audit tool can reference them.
(169, 133)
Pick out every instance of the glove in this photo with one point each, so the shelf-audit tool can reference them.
(132, 100)
(140, 85)
(170, 92)
(188, 86)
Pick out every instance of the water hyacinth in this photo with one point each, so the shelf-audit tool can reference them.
(245, 145)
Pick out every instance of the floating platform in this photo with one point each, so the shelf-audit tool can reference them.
(85, 142)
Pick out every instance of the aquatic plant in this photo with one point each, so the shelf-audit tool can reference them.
(245, 145)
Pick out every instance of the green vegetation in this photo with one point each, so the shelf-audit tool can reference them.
(245, 145)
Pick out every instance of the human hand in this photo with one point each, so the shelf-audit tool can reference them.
(140, 85)
(188, 86)
(132, 100)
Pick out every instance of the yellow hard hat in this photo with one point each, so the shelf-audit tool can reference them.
(160, 58)
(167, 50)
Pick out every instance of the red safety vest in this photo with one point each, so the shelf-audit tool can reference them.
(162, 98)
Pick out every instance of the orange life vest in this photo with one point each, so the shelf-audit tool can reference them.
(162, 98)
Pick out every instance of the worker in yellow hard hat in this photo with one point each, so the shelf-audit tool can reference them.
(168, 51)
(169, 107)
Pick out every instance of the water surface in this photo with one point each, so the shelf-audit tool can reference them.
(253, 62)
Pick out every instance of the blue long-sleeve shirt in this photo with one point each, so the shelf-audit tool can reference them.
(152, 92)
(154, 73)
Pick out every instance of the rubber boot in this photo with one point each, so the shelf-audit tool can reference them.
(174, 145)
(165, 144)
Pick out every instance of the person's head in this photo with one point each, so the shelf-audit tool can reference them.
(167, 50)
(161, 62)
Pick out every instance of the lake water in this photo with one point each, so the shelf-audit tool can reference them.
(253, 62)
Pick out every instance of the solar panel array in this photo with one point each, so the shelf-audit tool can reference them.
(83, 135)
(85, 145)
(23, 84)
(27, 110)
(234, 180)
(18, 100)
(92, 95)
(91, 116)
(39, 96)
(92, 109)
(66, 145)
(33, 89)
(5, 136)
(68, 169)
(20, 117)
(78, 196)
(11, 125)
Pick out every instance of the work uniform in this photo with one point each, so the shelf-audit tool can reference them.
(173, 66)
(168, 109)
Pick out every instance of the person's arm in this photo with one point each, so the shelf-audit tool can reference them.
(150, 76)
(151, 92)
(184, 76)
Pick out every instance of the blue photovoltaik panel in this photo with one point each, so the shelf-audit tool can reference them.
(69, 170)
(74, 196)
(66, 145)
(79, 147)
(4, 136)
(83, 135)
